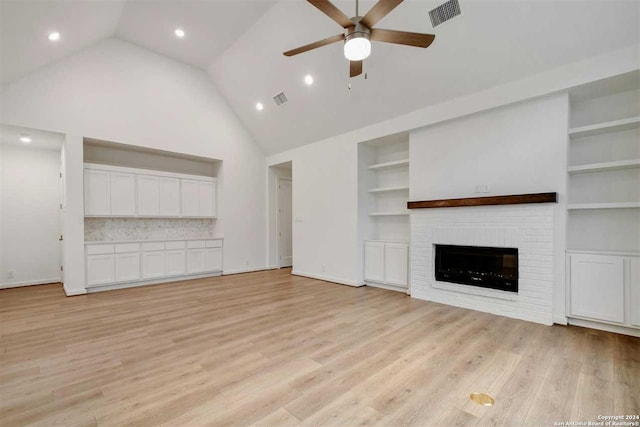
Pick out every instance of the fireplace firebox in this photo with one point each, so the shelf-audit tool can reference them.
(485, 267)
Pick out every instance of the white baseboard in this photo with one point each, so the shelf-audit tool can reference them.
(247, 270)
(328, 279)
(559, 320)
(388, 287)
(605, 327)
(29, 283)
(74, 292)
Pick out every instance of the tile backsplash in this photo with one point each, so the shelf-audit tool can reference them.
(110, 229)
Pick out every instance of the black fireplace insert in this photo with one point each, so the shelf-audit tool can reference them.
(495, 268)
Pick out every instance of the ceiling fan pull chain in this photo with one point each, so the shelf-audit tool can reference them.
(357, 9)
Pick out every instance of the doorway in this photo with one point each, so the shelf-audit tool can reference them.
(30, 206)
(281, 215)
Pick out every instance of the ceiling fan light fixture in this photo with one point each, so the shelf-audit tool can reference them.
(357, 47)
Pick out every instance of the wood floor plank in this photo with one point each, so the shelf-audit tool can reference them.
(272, 349)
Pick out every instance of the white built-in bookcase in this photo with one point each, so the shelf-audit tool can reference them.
(383, 218)
(604, 169)
(603, 229)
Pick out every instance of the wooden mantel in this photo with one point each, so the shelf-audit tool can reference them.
(513, 199)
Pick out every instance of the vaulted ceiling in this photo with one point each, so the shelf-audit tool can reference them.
(240, 44)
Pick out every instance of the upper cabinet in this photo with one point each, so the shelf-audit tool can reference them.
(120, 192)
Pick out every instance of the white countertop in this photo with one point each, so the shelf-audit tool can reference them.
(114, 242)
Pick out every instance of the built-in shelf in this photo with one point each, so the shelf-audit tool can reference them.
(386, 189)
(606, 166)
(388, 213)
(603, 252)
(616, 205)
(605, 127)
(386, 165)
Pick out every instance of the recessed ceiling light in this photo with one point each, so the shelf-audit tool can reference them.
(25, 139)
(308, 79)
(179, 32)
(259, 106)
(54, 37)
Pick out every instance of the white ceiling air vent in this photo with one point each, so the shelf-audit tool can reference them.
(444, 12)
(280, 99)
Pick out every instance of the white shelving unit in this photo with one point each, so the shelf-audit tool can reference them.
(605, 166)
(603, 228)
(605, 127)
(383, 193)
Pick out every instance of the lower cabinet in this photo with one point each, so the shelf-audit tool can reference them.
(108, 263)
(386, 262)
(100, 269)
(605, 288)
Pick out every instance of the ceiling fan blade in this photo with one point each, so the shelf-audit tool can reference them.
(379, 11)
(402, 37)
(355, 68)
(326, 7)
(314, 45)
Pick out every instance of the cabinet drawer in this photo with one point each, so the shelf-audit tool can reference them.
(174, 245)
(100, 249)
(123, 248)
(213, 243)
(153, 246)
(196, 244)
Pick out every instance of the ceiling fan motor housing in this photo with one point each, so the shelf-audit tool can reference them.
(358, 30)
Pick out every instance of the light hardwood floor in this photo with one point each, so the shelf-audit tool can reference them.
(270, 349)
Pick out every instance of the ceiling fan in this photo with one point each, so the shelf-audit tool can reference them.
(359, 32)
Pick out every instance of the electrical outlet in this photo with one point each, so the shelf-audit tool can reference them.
(246, 262)
(323, 269)
(485, 188)
(11, 274)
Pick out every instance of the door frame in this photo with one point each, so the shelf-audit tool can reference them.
(278, 235)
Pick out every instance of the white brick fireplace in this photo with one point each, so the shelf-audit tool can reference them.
(527, 227)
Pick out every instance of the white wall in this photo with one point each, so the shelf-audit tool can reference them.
(30, 193)
(116, 91)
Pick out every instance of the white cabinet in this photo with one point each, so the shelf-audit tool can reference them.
(396, 257)
(374, 261)
(634, 285)
(148, 195)
(127, 267)
(153, 264)
(597, 287)
(119, 263)
(175, 262)
(118, 191)
(100, 269)
(195, 261)
(198, 198)
(169, 197)
(386, 263)
(207, 198)
(97, 199)
(123, 194)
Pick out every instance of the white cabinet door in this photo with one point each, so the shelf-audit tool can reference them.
(634, 284)
(148, 195)
(207, 198)
(213, 259)
(374, 261)
(190, 193)
(127, 267)
(195, 261)
(396, 263)
(169, 197)
(97, 198)
(176, 264)
(100, 269)
(153, 264)
(123, 194)
(597, 287)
